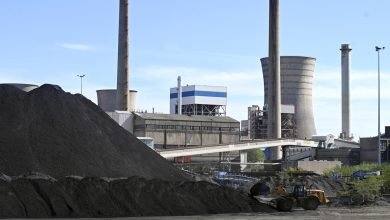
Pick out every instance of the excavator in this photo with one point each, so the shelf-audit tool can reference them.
(308, 199)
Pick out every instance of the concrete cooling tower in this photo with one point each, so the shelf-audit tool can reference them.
(107, 100)
(297, 74)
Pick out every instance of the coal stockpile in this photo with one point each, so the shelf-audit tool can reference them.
(59, 134)
(62, 156)
(40, 196)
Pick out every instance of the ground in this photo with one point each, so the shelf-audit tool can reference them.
(372, 212)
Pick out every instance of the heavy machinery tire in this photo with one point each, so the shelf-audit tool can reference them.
(284, 204)
(310, 203)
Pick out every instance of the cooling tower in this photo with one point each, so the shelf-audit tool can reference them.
(297, 74)
(107, 97)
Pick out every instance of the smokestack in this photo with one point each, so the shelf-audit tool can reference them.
(122, 89)
(179, 98)
(345, 103)
(274, 91)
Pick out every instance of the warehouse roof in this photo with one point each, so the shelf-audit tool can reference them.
(174, 117)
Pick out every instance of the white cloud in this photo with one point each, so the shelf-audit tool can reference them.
(77, 46)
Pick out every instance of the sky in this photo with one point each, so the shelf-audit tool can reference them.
(206, 42)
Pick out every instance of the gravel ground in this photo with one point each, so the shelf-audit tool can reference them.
(373, 212)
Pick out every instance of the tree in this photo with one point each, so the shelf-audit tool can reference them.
(255, 155)
(369, 188)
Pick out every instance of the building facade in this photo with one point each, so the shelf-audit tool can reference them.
(171, 131)
(200, 100)
(369, 148)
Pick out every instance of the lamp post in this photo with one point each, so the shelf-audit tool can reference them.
(378, 49)
(81, 81)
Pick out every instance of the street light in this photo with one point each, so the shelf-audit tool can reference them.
(81, 81)
(378, 49)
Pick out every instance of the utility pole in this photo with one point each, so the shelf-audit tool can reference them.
(378, 49)
(81, 82)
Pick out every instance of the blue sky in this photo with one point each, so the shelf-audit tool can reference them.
(216, 42)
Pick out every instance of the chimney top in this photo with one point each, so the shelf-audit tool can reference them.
(345, 47)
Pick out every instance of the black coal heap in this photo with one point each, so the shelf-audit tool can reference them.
(54, 132)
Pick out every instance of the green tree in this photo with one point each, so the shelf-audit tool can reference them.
(369, 188)
(255, 155)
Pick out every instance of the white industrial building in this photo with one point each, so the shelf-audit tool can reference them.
(199, 100)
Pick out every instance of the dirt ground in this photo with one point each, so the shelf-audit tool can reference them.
(372, 212)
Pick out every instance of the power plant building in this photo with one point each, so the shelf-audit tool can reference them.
(297, 74)
(369, 148)
(172, 130)
(199, 100)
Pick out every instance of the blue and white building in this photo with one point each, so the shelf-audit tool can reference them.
(199, 100)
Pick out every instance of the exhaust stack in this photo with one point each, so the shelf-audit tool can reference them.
(274, 89)
(122, 89)
(179, 95)
(345, 102)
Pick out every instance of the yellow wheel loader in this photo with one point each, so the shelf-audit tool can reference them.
(308, 199)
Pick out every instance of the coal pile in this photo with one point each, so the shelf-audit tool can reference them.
(40, 196)
(62, 156)
(59, 134)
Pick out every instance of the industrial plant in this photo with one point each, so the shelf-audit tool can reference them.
(198, 112)
(63, 156)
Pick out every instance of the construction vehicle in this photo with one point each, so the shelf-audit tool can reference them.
(308, 199)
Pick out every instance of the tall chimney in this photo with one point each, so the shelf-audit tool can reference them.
(179, 98)
(122, 88)
(274, 90)
(345, 103)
